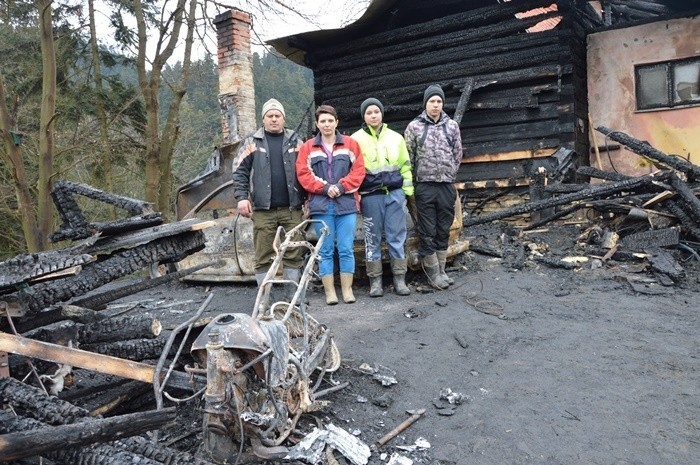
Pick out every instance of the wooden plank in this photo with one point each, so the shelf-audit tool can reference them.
(508, 156)
(87, 360)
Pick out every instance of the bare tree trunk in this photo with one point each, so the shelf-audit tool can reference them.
(172, 127)
(46, 133)
(150, 85)
(103, 167)
(12, 155)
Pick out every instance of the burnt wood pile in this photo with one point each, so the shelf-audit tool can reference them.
(52, 310)
(653, 218)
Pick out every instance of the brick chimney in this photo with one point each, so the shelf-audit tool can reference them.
(236, 87)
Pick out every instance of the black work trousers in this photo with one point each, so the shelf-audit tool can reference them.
(435, 205)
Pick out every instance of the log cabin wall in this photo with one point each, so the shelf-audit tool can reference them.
(521, 106)
(523, 64)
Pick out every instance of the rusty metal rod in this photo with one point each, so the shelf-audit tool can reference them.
(402, 427)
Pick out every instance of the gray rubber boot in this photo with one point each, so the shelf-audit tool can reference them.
(399, 267)
(290, 274)
(374, 273)
(259, 278)
(442, 261)
(432, 271)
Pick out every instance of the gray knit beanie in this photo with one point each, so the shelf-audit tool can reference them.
(367, 103)
(434, 89)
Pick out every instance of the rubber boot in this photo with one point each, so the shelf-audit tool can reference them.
(432, 271)
(329, 287)
(442, 261)
(259, 278)
(374, 273)
(290, 274)
(346, 287)
(399, 267)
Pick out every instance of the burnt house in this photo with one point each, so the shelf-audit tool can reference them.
(515, 75)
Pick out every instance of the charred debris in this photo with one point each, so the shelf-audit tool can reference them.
(651, 221)
(53, 313)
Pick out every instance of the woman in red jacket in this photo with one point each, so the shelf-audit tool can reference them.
(330, 168)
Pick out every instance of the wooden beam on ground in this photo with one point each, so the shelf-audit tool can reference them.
(36, 442)
(87, 360)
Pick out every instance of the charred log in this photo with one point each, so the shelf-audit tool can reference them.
(688, 223)
(107, 228)
(592, 172)
(592, 193)
(54, 315)
(663, 262)
(120, 329)
(646, 150)
(31, 401)
(115, 266)
(32, 438)
(99, 300)
(468, 43)
(553, 217)
(687, 196)
(26, 267)
(135, 349)
(66, 188)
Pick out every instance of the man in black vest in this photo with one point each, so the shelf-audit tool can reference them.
(267, 190)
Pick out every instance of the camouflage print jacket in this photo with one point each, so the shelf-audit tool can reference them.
(435, 148)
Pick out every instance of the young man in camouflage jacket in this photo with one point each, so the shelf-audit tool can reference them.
(435, 147)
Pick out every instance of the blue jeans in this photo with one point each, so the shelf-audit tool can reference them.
(384, 214)
(342, 236)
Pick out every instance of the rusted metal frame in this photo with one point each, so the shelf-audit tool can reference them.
(157, 385)
(280, 246)
(252, 363)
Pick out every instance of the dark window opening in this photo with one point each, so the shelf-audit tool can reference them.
(668, 84)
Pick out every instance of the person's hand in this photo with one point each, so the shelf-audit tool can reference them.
(245, 208)
(333, 191)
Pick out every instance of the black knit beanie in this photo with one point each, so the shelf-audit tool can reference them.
(434, 89)
(368, 102)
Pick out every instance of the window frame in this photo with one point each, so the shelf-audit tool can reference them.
(670, 85)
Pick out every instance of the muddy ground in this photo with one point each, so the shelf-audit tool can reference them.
(554, 366)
